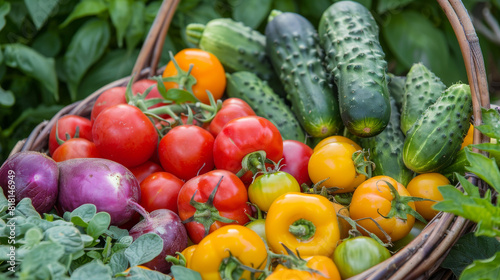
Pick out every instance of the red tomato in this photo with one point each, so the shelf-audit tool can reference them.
(295, 160)
(242, 136)
(230, 201)
(186, 151)
(144, 170)
(108, 98)
(232, 108)
(159, 191)
(123, 133)
(67, 124)
(142, 85)
(75, 148)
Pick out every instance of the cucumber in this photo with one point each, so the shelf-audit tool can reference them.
(422, 89)
(237, 46)
(349, 35)
(249, 87)
(397, 89)
(433, 142)
(386, 150)
(292, 45)
(458, 166)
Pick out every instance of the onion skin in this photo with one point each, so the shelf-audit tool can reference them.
(36, 177)
(108, 185)
(169, 227)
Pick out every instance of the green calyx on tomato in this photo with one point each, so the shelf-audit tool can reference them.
(184, 79)
(206, 214)
(256, 163)
(399, 205)
(363, 166)
(67, 136)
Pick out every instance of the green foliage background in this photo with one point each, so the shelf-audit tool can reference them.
(55, 52)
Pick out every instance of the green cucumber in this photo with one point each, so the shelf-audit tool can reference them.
(386, 150)
(247, 86)
(354, 57)
(293, 47)
(433, 142)
(422, 89)
(237, 46)
(458, 166)
(397, 89)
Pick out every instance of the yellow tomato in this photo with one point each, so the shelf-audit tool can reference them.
(322, 264)
(426, 186)
(335, 139)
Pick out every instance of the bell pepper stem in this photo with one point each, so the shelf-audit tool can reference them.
(302, 229)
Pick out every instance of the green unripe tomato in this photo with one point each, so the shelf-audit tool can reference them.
(267, 187)
(357, 254)
(259, 226)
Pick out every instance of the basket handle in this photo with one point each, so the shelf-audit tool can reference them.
(473, 58)
(150, 53)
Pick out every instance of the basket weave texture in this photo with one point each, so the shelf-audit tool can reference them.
(421, 258)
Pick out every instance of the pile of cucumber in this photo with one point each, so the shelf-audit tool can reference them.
(332, 80)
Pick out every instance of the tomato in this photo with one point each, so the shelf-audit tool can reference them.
(335, 139)
(426, 186)
(141, 86)
(335, 162)
(296, 157)
(322, 264)
(259, 226)
(187, 151)
(67, 125)
(245, 135)
(267, 187)
(207, 70)
(123, 133)
(357, 254)
(303, 222)
(144, 170)
(228, 205)
(75, 148)
(213, 252)
(232, 108)
(344, 225)
(159, 191)
(374, 199)
(108, 98)
(469, 137)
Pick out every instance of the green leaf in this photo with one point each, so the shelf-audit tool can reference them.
(4, 203)
(183, 273)
(491, 123)
(99, 224)
(467, 249)
(40, 10)
(116, 232)
(85, 48)
(485, 168)
(41, 255)
(145, 248)
(85, 212)
(492, 149)
(25, 209)
(67, 236)
(120, 11)
(137, 273)
(123, 243)
(118, 262)
(7, 98)
(483, 269)
(388, 5)
(4, 10)
(33, 237)
(34, 65)
(136, 29)
(94, 270)
(413, 38)
(259, 11)
(85, 8)
(48, 43)
(87, 240)
(94, 255)
(56, 271)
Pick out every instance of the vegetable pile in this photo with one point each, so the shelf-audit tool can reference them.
(253, 156)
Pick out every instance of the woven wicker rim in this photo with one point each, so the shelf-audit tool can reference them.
(418, 260)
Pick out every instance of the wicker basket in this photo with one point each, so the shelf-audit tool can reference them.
(421, 258)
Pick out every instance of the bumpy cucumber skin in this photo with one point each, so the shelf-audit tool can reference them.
(433, 142)
(422, 89)
(397, 89)
(349, 35)
(292, 44)
(386, 150)
(247, 86)
(237, 46)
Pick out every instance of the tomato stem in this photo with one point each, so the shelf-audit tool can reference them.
(302, 229)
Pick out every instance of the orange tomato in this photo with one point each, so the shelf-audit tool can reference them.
(207, 70)
(334, 139)
(426, 186)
